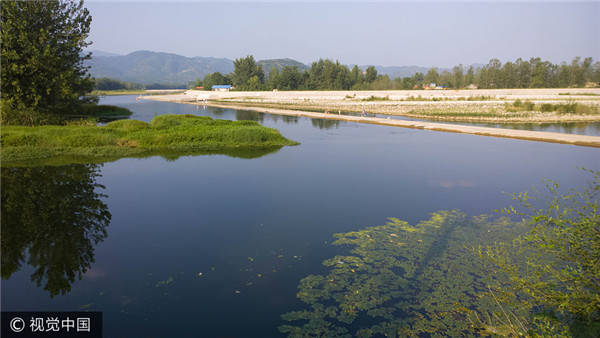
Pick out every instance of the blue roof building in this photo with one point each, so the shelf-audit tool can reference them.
(221, 88)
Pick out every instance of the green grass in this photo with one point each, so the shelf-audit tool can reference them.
(571, 107)
(584, 94)
(376, 98)
(166, 134)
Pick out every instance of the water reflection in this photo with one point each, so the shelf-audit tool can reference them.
(325, 124)
(250, 115)
(52, 218)
(578, 128)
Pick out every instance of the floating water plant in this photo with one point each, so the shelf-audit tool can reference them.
(402, 280)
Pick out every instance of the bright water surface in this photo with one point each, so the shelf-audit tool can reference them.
(252, 227)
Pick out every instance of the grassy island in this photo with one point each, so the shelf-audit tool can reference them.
(165, 135)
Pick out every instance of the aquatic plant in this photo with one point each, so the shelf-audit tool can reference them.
(402, 280)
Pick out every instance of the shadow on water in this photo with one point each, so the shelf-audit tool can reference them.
(52, 218)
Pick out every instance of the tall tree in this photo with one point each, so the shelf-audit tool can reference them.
(470, 77)
(457, 76)
(523, 73)
(356, 76)
(43, 71)
(370, 74)
(244, 70)
(290, 78)
(431, 76)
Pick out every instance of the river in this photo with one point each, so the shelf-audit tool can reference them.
(215, 245)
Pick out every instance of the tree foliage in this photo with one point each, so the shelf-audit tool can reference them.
(43, 75)
(213, 79)
(554, 269)
(327, 74)
(105, 83)
(247, 74)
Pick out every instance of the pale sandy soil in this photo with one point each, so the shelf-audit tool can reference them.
(458, 105)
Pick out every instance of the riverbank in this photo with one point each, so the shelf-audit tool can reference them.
(490, 106)
(257, 101)
(166, 134)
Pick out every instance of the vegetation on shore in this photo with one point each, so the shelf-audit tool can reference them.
(104, 86)
(175, 134)
(332, 75)
(468, 109)
(44, 76)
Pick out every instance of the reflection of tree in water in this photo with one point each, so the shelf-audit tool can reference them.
(325, 124)
(216, 111)
(402, 280)
(250, 116)
(562, 127)
(287, 119)
(56, 215)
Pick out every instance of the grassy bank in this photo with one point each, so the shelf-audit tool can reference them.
(176, 134)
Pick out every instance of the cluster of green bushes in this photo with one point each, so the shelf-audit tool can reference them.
(130, 137)
(570, 107)
(376, 98)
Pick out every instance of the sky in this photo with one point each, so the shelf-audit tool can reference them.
(392, 33)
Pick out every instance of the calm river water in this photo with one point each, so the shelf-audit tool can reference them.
(215, 246)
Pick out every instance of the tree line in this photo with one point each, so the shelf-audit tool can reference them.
(329, 75)
(105, 83)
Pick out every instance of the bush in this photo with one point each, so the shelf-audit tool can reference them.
(547, 107)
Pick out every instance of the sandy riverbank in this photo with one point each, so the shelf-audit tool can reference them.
(272, 102)
(491, 106)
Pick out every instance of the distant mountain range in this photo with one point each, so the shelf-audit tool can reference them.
(148, 67)
(151, 67)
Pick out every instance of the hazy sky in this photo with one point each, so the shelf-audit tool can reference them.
(397, 33)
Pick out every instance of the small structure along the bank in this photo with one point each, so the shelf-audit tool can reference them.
(221, 88)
